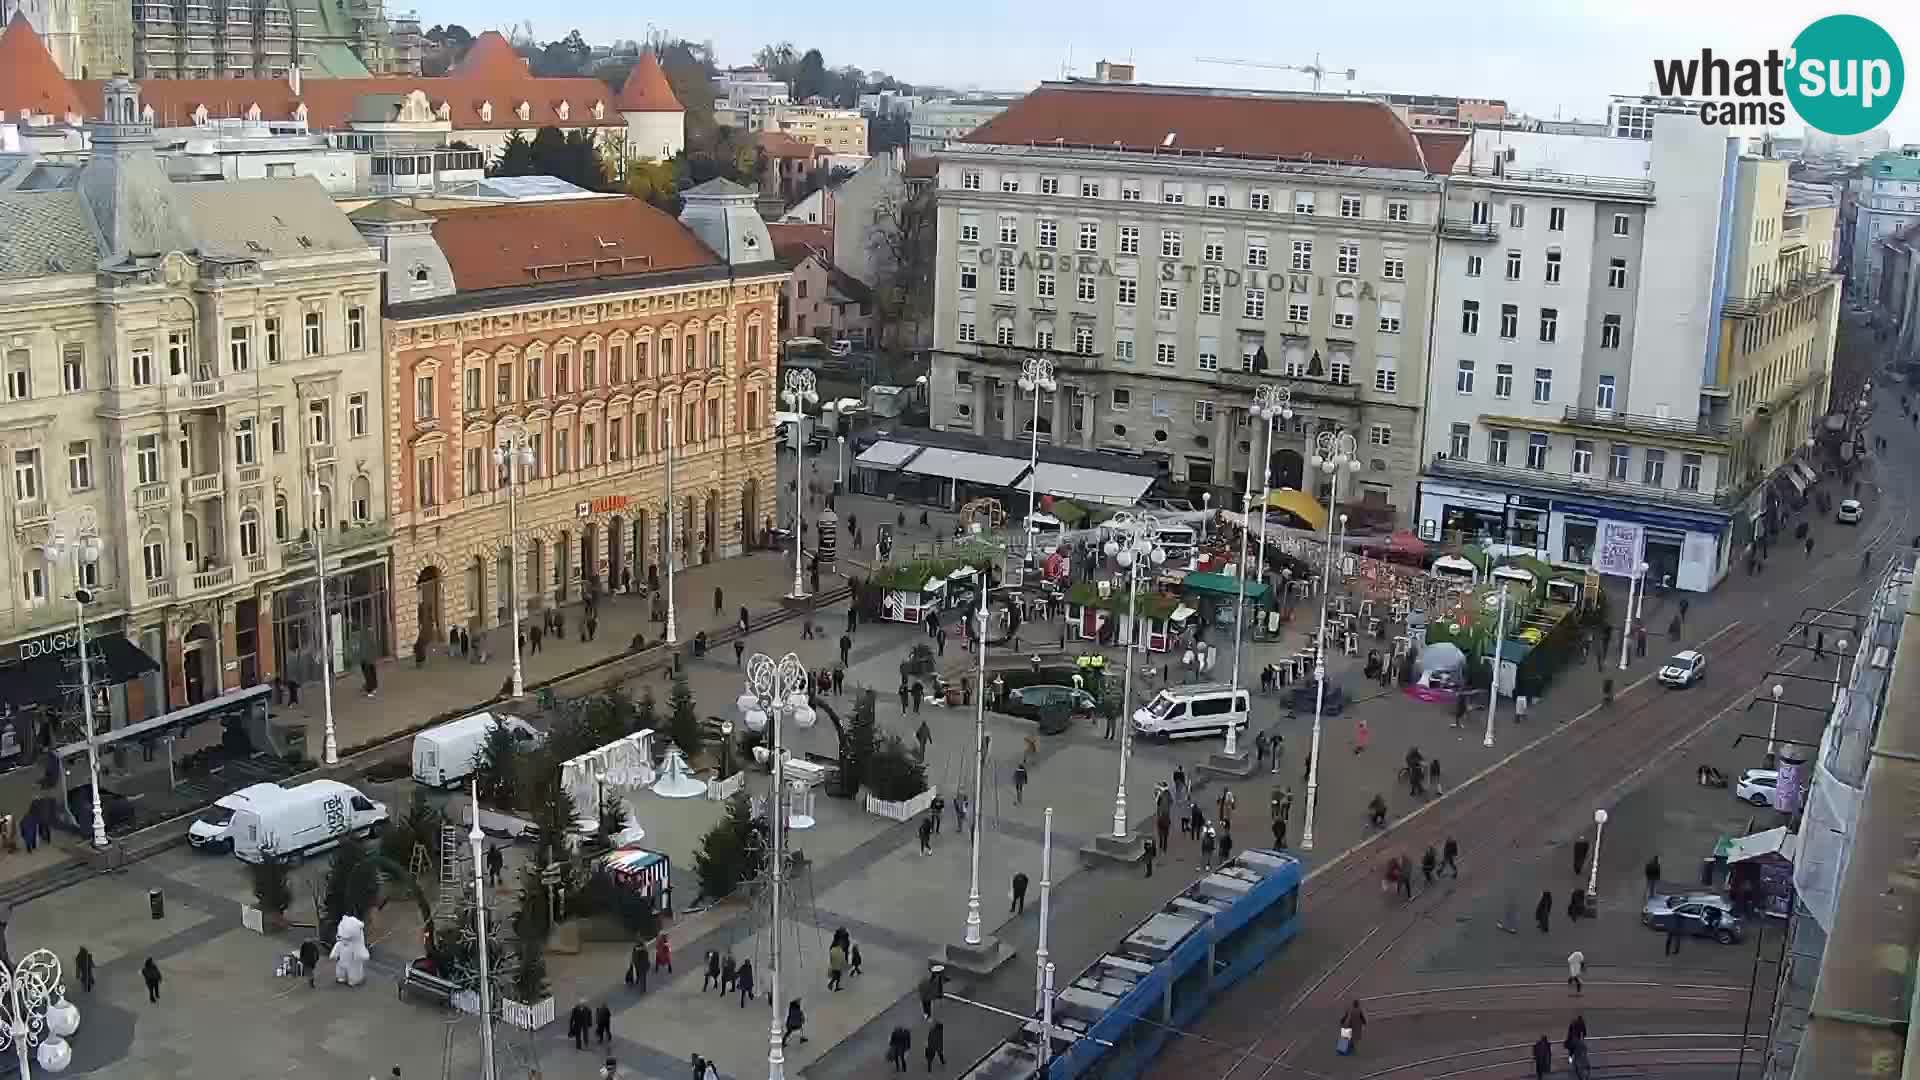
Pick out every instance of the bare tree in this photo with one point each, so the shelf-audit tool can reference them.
(902, 245)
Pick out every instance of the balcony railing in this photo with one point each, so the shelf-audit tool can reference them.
(257, 565)
(1306, 387)
(150, 495)
(361, 535)
(215, 578)
(1720, 499)
(1548, 178)
(30, 512)
(159, 590)
(321, 453)
(203, 486)
(295, 550)
(249, 475)
(1752, 307)
(1638, 423)
(1454, 228)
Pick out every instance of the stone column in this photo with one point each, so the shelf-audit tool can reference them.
(229, 649)
(230, 497)
(1059, 416)
(1010, 394)
(1088, 403)
(980, 406)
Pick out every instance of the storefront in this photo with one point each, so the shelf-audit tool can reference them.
(40, 688)
(357, 625)
(1682, 550)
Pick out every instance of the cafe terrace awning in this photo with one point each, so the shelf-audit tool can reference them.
(46, 678)
(965, 466)
(1090, 485)
(886, 455)
(1300, 505)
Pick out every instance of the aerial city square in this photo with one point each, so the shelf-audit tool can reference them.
(834, 543)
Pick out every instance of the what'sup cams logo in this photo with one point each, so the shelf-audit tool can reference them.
(1843, 75)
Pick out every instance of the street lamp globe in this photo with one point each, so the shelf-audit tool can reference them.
(1843, 644)
(1778, 690)
(1599, 817)
(801, 713)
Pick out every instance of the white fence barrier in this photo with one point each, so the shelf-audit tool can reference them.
(527, 1017)
(902, 811)
(722, 790)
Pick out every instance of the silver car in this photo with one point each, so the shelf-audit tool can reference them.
(1702, 914)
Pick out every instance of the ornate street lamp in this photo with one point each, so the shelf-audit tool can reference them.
(1334, 453)
(1036, 375)
(76, 532)
(1133, 541)
(517, 450)
(798, 394)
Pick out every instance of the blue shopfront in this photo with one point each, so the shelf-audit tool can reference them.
(1688, 551)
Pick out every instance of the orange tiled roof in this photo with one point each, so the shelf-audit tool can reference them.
(780, 144)
(29, 79)
(495, 247)
(794, 241)
(647, 89)
(1441, 148)
(330, 102)
(491, 56)
(1167, 120)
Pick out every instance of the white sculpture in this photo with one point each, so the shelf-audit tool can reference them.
(676, 780)
(349, 953)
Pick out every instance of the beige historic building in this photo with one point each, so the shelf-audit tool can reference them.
(610, 340)
(189, 371)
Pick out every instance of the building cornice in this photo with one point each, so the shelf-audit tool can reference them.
(1223, 166)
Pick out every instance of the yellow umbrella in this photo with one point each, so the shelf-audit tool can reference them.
(1300, 505)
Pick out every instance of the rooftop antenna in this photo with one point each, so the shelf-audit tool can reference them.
(1316, 69)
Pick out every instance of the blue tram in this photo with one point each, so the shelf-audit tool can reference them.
(1111, 1020)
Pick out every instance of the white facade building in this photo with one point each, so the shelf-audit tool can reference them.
(1172, 249)
(1889, 201)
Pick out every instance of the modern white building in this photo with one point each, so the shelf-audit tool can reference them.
(741, 88)
(1631, 338)
(932, 123)
(1171, 249)
(1889, 201)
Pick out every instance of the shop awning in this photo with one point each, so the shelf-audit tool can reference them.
(111, 660)
(1224, 585)
(1090, 485)
(886, 455)
(965, 466)
(1300, 505)
(1776, 841)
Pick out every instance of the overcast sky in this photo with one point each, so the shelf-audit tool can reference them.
(1545, 57)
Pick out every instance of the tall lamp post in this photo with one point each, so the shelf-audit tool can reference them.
(516, 451)
(76, 533)
(1268, 402)
(1334, 453)
(1036, 375)
(1773, 726)
(673, 633)
(1133, 542)
(38, 1013)
(798, 394)
(1593, 877)
(1639, 582)
(477, 839)
(320, 518)
(979, 767)
(1499, 639)
(1273, 404)
(775, 687)
(1839, 661)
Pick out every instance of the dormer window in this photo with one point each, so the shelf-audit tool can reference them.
(486, 112)
(523, 110)
(564, 109)
(253, 113)
(599, 110)
(299, 114)
(443, 111)
(146, 114)
(199, 116)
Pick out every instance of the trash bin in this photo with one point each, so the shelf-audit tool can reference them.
(156, 904)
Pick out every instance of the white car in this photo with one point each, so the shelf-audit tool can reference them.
(1756, 786)
(1683, 669)
(1849, 512)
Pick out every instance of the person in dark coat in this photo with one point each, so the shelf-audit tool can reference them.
(744, 981)
(603, 1024)
(495, 863)
(83, 963)
(1543, 911)
(712, 977)
(796, 1020)
(936, 1044)
(309, 958)
(1018, 896)
(898, 1044)
(150, 972)
(1653, 874)
(1542, 1058)
(638, 966)
(1355, 1018)
(729, 973)
(579, 1025)
(1576, 904)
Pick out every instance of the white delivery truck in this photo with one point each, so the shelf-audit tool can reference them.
(445, 755)
(307, 819)
(213, 830)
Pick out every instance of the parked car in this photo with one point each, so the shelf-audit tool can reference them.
(1757, 786)
(1028, 701)
(1683, 669)
(116, 808)
(1709, 915)
(1849, 512)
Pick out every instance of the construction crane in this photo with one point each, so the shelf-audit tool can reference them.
(1316, 69)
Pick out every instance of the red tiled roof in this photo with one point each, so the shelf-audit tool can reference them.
(794, 241)
(29, 79)
(491, 56)
(1159, 119)
(647, 89)
(922, 168)
(1442, 148)
(330, 102)
(494, 247)
(782, 145)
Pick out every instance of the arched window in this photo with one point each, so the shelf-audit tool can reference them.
(1083, 340)
(323, 509)
(153, 554)
(190, 546)
(282, 521)
(249, 533)
(1003, 331)
(362, 500)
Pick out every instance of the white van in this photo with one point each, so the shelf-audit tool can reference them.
(443, 756)
(214, 828)
(307, 819)
(1196, 709)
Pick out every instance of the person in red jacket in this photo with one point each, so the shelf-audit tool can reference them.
(662, 955)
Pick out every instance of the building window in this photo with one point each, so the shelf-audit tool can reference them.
(1458, 438)
(1083, 340)
(965, 331)
(1481, 213)
(1549, 324)
(1616, 273)
(1085, 289)
(1048, 229)
(1496, 446)
(1169, 299)
(969, 233)
(1165, 353)
(1653, 470)
(1347, 260)
(1389, 316)
(1557, 219)
(1089, 236)
(1582, 457)
(1259, 199)
(1474, 265)
(1203, 412)
(1210, 299)
(1463, 377)
(617, 356)
(1128, 290)
(1553, 267)
(1617, 461)
(1173, 193)
(315, 342)
(1299, 310)
(1470, 316)
(1129, 239)
(1089, 189)
(1003, 332)
(319, 424)
(1122, 399)
(73, 368)
(1349, 206)
(80, 466)
(1509, 321)
(19, 376)
(1689, 472)
(1009, 280)
(1049, 185)
(423, 397)
(475, 470)
(1513, 266)
(1043, 286)
(243, 442)
(153, 555)
(1386, 374)
(1537, 451)
(1380, 435)
(1217, 196)
(1342, 315)
(1160, 406)
(277, 431)
(141, 362)
(1503, 381)
(1208, 354)
(179, 347)
(1171, 243)
(1123, 349)
(970, 179)
(1610, 331)
(1303, 202)
(1399, 211)
(1256, 304)
(1393, 267)
(356, 329)
(272, 335)
(1517, 215)
(356, 415)
(1129, 191)
(26, 475)
(1620, 225)
(1542, 385)
(1043, 337)
(1009, 229)
(1603, 394)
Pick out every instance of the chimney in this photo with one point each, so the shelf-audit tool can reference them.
(293, 79)
(1107, 71)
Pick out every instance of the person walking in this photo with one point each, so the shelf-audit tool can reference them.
(579, 1025)
(1672, 946)
(1018, 896)
(853, 960)
(1653, 875)
(1577, 1048)
(603, 1024)
(711, 978)
(796, 1021)
(744, 982)
(1226, 842)
(1223, 806)
(745, 619)
(898, 1044)
(1149, 851)
(1543, 911)
(1352, 1023)
(928, 991)
(1449, 855)
(1162, 825)
(729, 974)
(1576, 969)
(1542, 1058)
(150, 972)
(662, 954)
(1428, 863)
(1580, 849)
(936, 1044)
(309, 960)
(1019, 783)
(83, 964)
(719, 600)
(1406, 878)
(496, 862)
(638, 965)
(836, 967)
(1433, 778)
(739, 653)
(1207, 839)
(926, 835)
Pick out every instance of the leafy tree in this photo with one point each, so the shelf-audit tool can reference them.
(550, 156)
(845, 85)
(648, 718)
(683, 724)
(352, 885)
(730, 852)
(613, 818)
(271, 891)
(516, 156)
(862, 740)
(895, 773)
(419, 825)
(689, 70)
(567, 57)
(901, 242)
(778, 60)
(810, 76)
(655, 182)
(498, 769)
